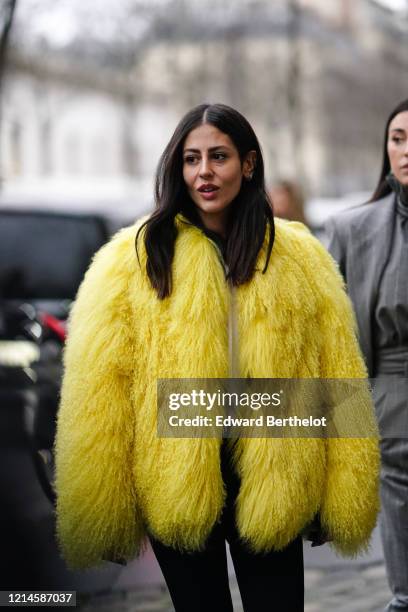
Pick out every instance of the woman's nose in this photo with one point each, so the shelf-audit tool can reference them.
(205, 167)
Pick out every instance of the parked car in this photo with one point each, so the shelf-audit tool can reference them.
(43, 257)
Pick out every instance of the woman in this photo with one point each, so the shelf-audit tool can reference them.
(370, 243)
(210, 249)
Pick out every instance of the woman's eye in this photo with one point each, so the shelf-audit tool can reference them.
(219, 156)
(190, 159)
(396, 139)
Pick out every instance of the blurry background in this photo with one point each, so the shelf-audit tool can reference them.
(91, 92)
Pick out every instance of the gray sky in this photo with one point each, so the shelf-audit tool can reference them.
(59, 22)
(394, 5)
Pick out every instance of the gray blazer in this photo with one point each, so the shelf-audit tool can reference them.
(360, 241)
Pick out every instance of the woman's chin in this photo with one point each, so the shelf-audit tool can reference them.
(212, 208)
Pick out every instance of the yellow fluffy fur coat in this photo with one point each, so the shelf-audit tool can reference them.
(116, 479)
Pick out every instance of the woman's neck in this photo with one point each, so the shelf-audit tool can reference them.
(398, 188)
(216, 223)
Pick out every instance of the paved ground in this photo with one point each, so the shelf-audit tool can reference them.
(32, 559)
(339, 589)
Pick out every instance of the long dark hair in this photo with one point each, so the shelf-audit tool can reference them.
(383, 188)
(252, 209)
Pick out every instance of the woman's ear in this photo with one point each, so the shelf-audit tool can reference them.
(249, 164)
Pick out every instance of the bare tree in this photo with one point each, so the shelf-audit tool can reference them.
(294, 82)
(7, 11)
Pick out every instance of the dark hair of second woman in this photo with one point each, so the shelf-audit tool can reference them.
(247, 225)
(383, 188)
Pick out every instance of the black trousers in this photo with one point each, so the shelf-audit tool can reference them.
(198, 581)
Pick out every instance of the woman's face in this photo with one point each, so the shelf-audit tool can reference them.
(213, 173)
(397, 147)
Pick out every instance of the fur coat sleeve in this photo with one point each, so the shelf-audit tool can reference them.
(96, 505)
(351, 499)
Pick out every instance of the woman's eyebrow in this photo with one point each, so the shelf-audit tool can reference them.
(211, 149)
(398, 130)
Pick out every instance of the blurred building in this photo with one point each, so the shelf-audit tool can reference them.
(316, 79)
(67, 132)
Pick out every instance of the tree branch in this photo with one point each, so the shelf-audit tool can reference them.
(7, 14)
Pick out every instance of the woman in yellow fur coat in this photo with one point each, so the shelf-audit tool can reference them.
(155, 303)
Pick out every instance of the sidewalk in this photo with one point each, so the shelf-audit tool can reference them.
(337, 589)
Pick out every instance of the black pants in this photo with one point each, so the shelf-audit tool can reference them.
(198, 581)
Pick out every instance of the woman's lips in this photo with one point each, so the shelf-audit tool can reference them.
(209, 195)
(208, 192)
